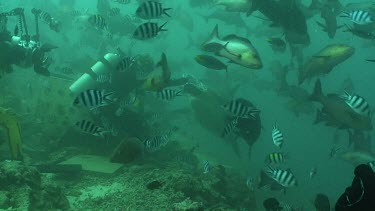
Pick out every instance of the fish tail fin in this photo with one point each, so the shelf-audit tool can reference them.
(317, 94)
(109, 97)
(179, 92)
(161, 29)
(165, 11)
(345, 14)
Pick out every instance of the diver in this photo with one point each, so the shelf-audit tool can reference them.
(23, 51)
(361, 194)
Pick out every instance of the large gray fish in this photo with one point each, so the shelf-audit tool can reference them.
(237, 49)
(330, 26)
(336, 112)
(210, 62)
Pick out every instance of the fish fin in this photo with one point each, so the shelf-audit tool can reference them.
(161, 29)
(322, 25)
(179, 92)
(165, 11)
(345, 14)
(109, 97)
(317, 94)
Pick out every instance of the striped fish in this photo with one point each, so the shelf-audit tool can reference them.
(372, 165)
(93, 98)
(238, 109)
(283, 177)
(230, 127)
(104, 78)
(359, 17)
(125, 64)
(122, 1)
(90, 128)
(156, 143)
(206, 167)
(151, 9)
(148, 30)
(277, 136)
(357, 103)
(98, 21)
(168, 94)
(114, 12)
(276, 158)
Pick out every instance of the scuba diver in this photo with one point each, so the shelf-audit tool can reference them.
(361, 194)
(24, 50)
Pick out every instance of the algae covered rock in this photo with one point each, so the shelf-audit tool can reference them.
(188, 205)
(22, 188)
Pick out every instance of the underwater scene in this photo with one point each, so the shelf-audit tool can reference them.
(187, 105)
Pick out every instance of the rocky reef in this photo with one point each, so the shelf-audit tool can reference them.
(23, 188)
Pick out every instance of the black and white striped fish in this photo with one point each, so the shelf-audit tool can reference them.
(276, 158)
(238, 109)
(93, 98)
(148, 30)
(122, 1)
(104, 78)
(151, 9)
(168, 94)
(283, 177)
(277, 136)
(156, 143)
(359, 17)
(357, 103)
(114, 12)
(206, 167)
(230, 127)
(125, 64)
(98, 21)
(372, 165)
(90, 128)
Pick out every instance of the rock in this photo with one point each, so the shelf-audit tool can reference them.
(188, 205)
(51, 196)
(17, 173)
(129, 150)
(4, 200)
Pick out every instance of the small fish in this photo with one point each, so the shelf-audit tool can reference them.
(370, 60)
(104, 78)
(148, 30)
(126, 102)
(122, 1)
(230, 127)
(114, 12)
(277, 136)
(276, 158)
(283, 177)
(168, 94)
(92, 98)
(156, 143)
(312, 172)
(277, 44)
(16, 30)
(357, 103)
(125, 63)
(151, 9)
(372, 165)
(90, 128)
(359, 17)
(334, 151)
(238, 109)
(250, 183)
(98, 21)
(154, 118)
(206, 167)
(210, 62)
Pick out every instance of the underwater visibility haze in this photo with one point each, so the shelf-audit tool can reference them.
(187, 105)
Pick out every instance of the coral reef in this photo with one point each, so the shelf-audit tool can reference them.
(22, 188)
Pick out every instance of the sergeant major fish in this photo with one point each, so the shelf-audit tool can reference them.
(168, 94)
(148, 30)
(359, 17)
(90, 128)
(238, 109)
(276, 158)
(357, 103)
(92, 98)
(237, 49)
(277, 136)
(283, 177)
(151, 9)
